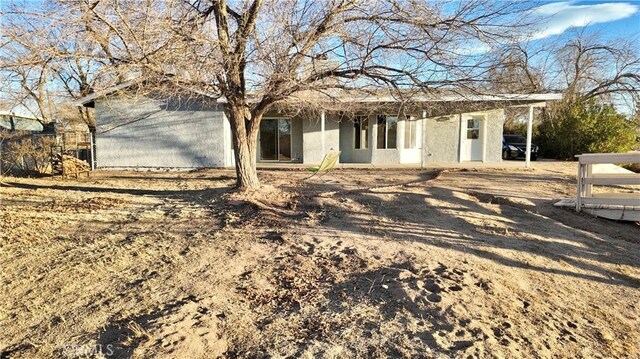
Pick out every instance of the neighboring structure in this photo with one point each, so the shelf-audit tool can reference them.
(73, 139)
(160, 132)
(24, 143)
(12, 122)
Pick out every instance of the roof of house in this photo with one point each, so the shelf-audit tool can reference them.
(22, 114)
(83, 101)
(435, 96)
(362, 96)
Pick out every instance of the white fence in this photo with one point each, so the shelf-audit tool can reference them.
(587, 179)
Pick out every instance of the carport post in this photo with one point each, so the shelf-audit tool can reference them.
(423, 132)
(322, 118)
(527, 155)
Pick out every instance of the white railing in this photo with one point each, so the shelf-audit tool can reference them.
(587, 179)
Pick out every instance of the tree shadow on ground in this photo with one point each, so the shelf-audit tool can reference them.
(411, 216)
(197, 196)
(120, 338)
(402, 294)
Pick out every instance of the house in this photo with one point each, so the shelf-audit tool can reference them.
(9, 121)
(156, 131)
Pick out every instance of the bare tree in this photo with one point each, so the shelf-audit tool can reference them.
(45, 60)
(264, 53)
(24, 62)
(592, 67)
(519, 68)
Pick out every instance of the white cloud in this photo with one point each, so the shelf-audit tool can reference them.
(561, 16)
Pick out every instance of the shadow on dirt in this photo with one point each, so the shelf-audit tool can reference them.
(429, 214)
(199, 196)
(120, 338)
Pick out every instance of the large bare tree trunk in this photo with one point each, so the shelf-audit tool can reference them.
(244, 144)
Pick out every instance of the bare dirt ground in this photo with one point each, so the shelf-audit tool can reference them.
(394, 263)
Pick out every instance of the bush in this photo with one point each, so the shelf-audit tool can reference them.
(585, 127)
(22, 153)
(516, 123)
(634, 167)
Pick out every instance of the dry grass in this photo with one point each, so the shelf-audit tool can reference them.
(378, 264)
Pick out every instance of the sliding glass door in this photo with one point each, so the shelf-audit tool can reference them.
(284, 140)
(275, 139)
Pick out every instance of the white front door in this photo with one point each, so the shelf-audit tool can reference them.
(473, 140)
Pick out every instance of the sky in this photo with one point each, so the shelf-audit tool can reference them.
(616, 16)
(607, 18)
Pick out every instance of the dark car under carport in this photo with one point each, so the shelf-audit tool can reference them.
(515, 146)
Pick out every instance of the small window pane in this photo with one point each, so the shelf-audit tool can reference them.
(410, 134)
(392, 131)
(284, 140)
(364, 128)
(382, 132)
(361, 132)
(414, 133)
(356, 132)
(473, 129)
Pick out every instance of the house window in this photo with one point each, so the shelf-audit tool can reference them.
(361, 132)
(387, 131)
(473, 129)
(410, 134)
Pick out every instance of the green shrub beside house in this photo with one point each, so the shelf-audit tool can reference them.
(585, 127)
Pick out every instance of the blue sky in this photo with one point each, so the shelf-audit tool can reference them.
(608, 18)
(619, 14)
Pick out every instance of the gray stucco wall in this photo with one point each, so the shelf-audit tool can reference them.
(372, 154)
(313, 153)
(348, 153)
(442, 139)
(494, 129)
(148, 132)
(153, 132)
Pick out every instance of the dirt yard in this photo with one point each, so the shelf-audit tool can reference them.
(395, 263)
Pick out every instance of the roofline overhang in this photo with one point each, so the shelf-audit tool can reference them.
(473, 98)
(420, 98)
(537, 98)
(88, 100)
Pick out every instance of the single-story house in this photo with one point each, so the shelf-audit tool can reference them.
(162, 132)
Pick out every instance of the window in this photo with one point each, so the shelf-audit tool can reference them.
(473, 129)
(360, 132)
(410, 134)
(387, 131)
(275, 139)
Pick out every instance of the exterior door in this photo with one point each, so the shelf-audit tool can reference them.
(284, 140)
(473, 140)
(275, 140)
